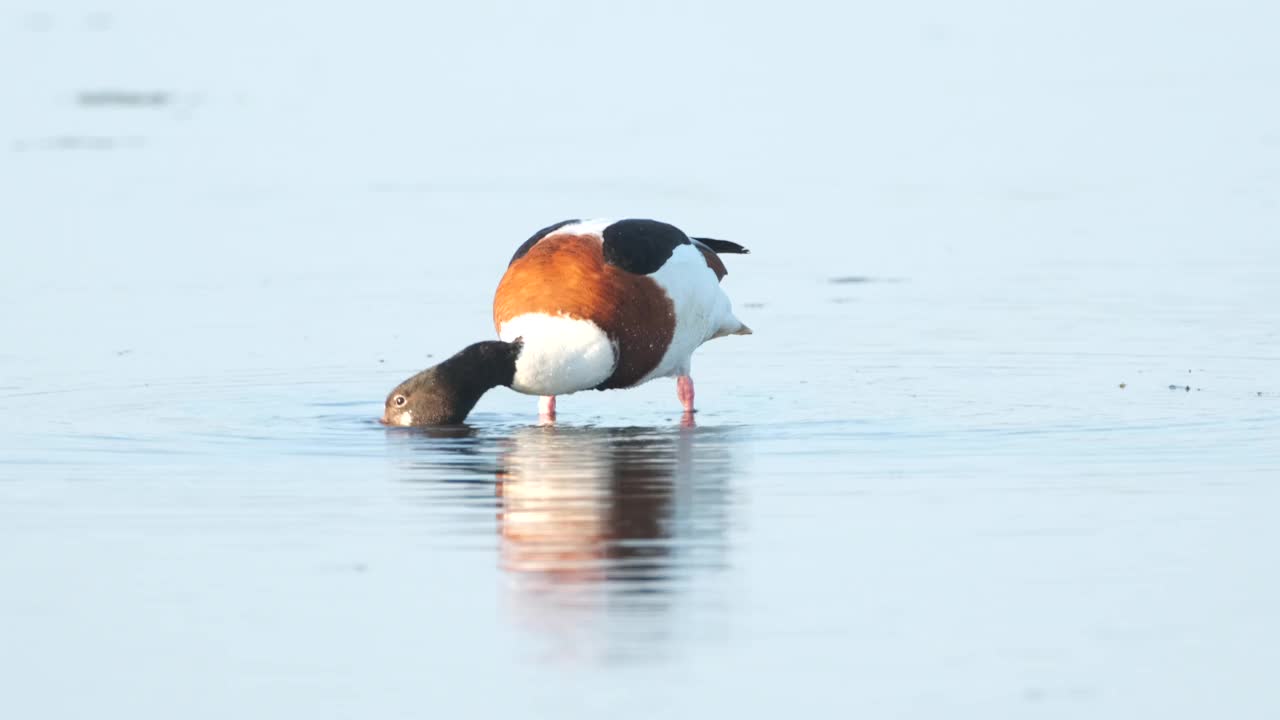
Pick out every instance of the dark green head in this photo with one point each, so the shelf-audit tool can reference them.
(445, 394)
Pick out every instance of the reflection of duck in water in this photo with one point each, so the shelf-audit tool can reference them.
(585, 305)
(623, 512)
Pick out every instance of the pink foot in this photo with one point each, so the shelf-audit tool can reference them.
(547, 407)
(684, 389)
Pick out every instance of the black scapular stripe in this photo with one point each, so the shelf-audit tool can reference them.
(533, 239)
(641, 246)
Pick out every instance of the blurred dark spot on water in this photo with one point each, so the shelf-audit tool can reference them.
(122, 353)
(1186, 388)
(753, 305)
(99, 21)
(123, 98)
(935, 34)
(79, 142)
(1122, 386)
(861, 279)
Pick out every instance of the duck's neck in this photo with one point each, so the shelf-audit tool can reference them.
(480, 367)
(445, 393)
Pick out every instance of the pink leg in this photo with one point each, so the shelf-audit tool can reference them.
(547, 406)
(684, 389)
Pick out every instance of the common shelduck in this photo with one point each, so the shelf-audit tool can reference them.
(585, 305)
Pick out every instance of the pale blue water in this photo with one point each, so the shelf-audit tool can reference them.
(957, 471)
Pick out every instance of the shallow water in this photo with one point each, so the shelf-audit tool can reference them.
(1004, 442)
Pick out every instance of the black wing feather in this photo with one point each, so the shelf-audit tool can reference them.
(723, 247)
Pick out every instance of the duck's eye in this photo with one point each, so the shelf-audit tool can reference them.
(399, 401)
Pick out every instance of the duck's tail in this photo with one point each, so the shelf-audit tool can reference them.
(723, 246)
(741, 329)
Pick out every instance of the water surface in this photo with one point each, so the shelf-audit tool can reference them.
(1003, 444)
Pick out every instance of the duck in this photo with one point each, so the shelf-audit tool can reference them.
(585, 305)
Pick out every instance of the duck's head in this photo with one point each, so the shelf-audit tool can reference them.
(425, 399)
(444, 394)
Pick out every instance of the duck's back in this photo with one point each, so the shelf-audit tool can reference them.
(609, 305)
